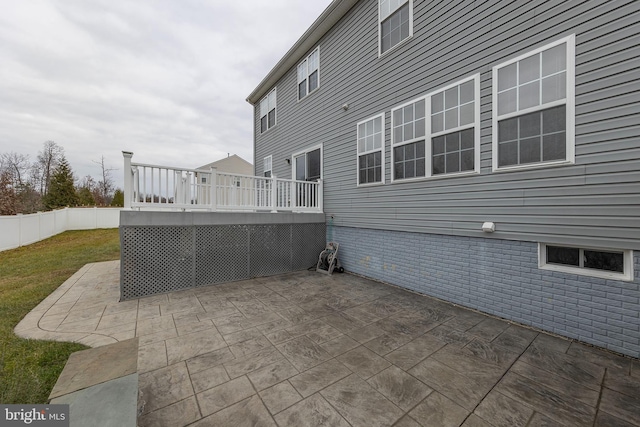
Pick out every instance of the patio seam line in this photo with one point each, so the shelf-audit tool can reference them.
(101, 316)
(284, 409)
(330, 404)
(195, 395)
(497, 382)
(335, 358)
(257, 393)
(595, 418)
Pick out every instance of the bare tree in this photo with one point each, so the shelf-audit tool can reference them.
(17, 166)
(8, 197)
(35, 177)
(105, 186)
(87, 182)
(48, 160)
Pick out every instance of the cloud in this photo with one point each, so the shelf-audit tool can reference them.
(164, 79)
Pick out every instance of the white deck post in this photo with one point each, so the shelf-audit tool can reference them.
(320, 195)
(214, 189)
(274, 194)
(128, 179)
(189, 189)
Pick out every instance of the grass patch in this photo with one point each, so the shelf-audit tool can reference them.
(29, 368)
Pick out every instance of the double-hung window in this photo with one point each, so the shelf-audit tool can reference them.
(408, 140)
(267, 165)
(395, 23)
(534, 107)
(268, 111)
(309, 74)
(438, 135)
(371, 150)
(455, 130)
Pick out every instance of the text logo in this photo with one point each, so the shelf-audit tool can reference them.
(34, 415)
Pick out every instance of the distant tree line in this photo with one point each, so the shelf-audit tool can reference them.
(48, 183)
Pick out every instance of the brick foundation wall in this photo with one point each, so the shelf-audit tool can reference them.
(500, 277)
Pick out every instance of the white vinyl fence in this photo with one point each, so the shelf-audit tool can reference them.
(20, 230)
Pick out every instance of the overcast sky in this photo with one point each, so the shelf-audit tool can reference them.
(165, 79)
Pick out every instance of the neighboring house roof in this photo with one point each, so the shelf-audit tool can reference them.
(231, 164)
(331, 15)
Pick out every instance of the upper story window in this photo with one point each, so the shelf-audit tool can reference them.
(534, 108)
(439, 134)
(395, 22)
(309, 74)
(371, 150)
(267, 165)
(268, 111)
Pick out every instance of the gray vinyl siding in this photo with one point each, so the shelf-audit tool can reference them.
(595, 202)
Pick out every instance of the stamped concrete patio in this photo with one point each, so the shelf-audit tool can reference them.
(305, 349)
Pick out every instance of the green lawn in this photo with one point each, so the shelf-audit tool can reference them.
(29, 368)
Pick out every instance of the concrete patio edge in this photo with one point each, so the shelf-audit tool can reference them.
(29, 327)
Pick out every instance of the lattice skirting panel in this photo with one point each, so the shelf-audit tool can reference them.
(159, 259)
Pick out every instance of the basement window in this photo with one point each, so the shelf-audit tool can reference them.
(603, 263)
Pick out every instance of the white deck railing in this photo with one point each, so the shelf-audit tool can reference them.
(162, 187)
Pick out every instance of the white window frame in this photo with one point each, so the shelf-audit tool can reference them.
(569, 102)
(306, 79)
(475, 125)
(380, 20)
(381, 116)
(305, 151)
(267, 161)
(275, 108)
(627, 254)
(410, 141)
(429, 135)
